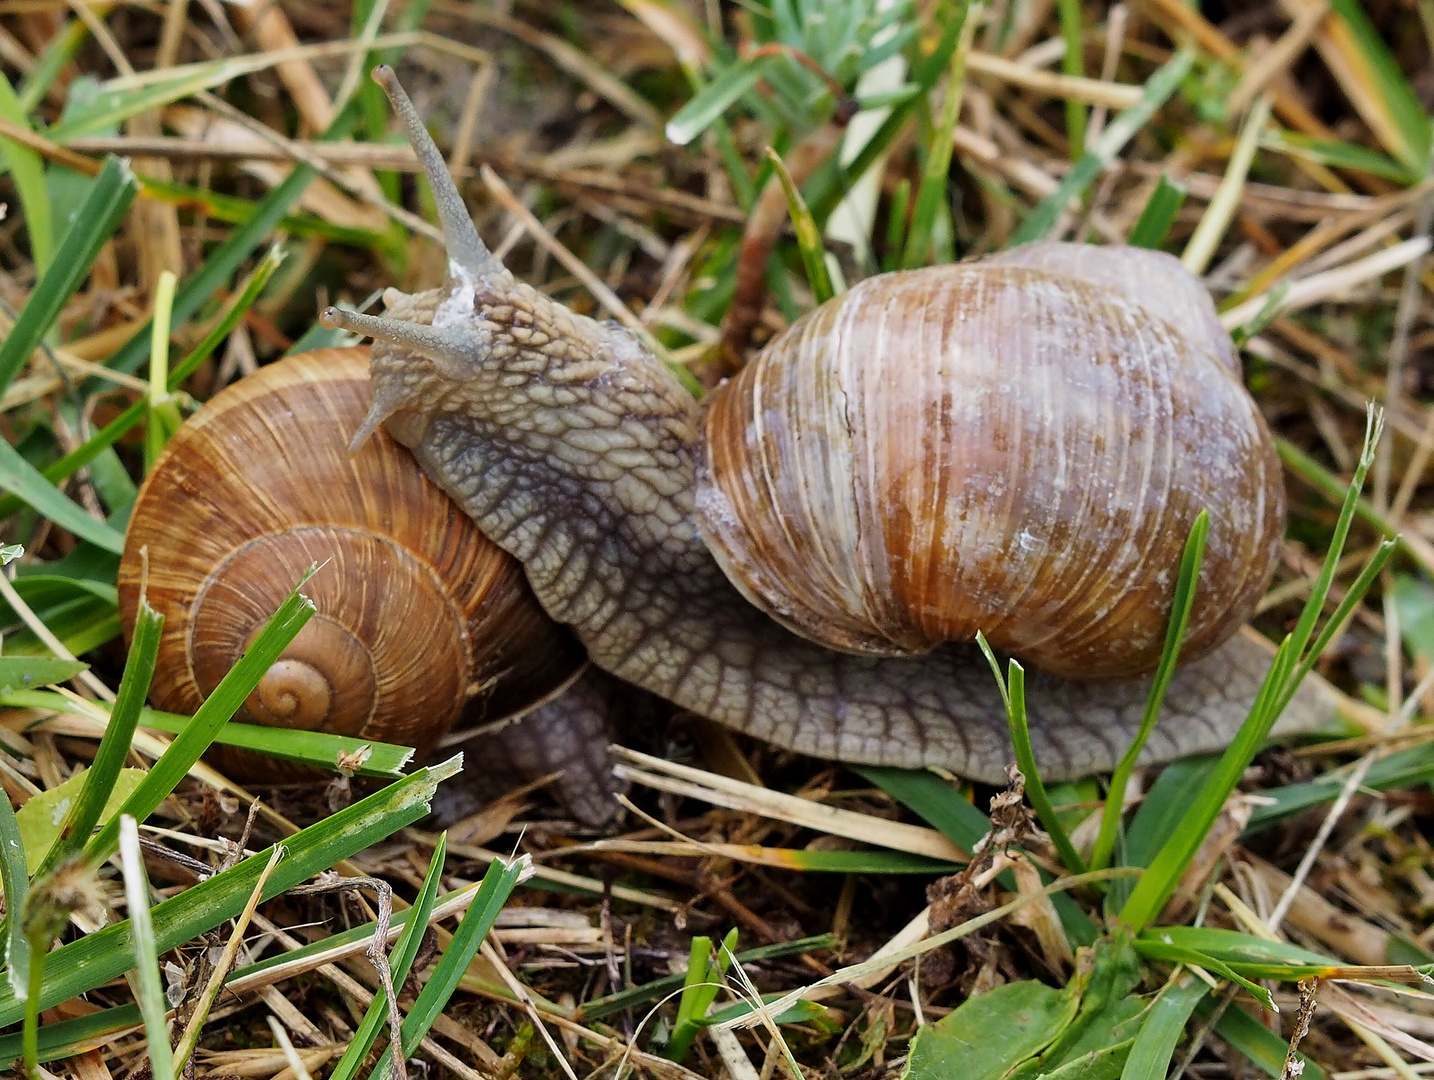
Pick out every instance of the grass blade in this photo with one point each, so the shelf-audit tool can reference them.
(498, 884)
(1155, 1043)
(25, 482)
(1013, 693)
(1393, 111)
(109, 197)
(163, 414)
(1180, 608)
(1257, 1042)
(714, 99)
(91, 961)
(931, 194)
(1290, 664)
(1072, 63)
(401, 961)
(319, 749)
(186, 749)
(1164, 82)
(65, 1038)
(114, 747)
(809, 237)
(117, 428)
(705, 970)
(831, 183)
(28, 171)
(15, 877)
(1153, 225)
(625, 999)
(148, 987)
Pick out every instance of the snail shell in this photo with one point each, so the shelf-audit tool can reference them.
(420, 618)
(1017, 446)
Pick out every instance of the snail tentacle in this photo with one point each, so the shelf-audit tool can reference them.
(460, 236)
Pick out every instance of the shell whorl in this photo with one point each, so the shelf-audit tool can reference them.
(420, 619)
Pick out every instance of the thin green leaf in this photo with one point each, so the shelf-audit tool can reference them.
(319, 749)
(15, 877)
(62, 48)
(24, 481)
(95, 959)
(117, 428)
(833, 181)
(706, 968)
(931, 195)
(148, 987)
(498, 885)
(708, 105)
(1158, 88)
(1403, 124)
(1401, 769)
(109, 759)
(218, 707)
(1072, 63)
(109, 197)
(1153, 225)
(626, 999)
(896, 225)
(932, 799)
(1164, 1022)
(1013, 693)
(65, 1038)
(164, 418)
(1164, 807)
(1181, 606)
(400, 963)
(1337, 155)
(1273, 307)
(1160, 950)
(27, 169)
(803, 1012)
(809, 238)
(1290, 664)
(23, 672)
(1304, 629)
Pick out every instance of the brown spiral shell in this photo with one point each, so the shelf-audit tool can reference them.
(420, 618)
(1017, 446)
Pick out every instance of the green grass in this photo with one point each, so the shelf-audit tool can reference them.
(1132, 997)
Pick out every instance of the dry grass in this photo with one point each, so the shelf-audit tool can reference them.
(554, 114)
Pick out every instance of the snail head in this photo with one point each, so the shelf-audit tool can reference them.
(460, 349)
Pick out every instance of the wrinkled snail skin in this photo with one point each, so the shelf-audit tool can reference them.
(574, 449)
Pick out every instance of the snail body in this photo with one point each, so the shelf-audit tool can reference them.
(420, 619)
(576, 451)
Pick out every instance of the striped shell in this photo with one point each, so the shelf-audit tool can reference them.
(1017, 446)
(420, 620)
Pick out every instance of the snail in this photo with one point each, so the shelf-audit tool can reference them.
(639, 515)
(421, 620)
(1016, 445)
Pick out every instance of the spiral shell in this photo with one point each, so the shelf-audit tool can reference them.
(1017, 446)
(420, 618)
